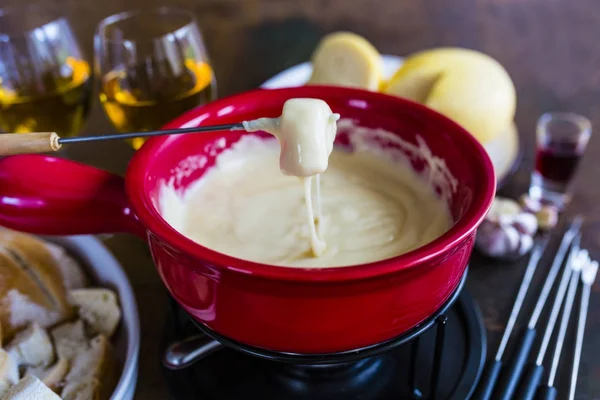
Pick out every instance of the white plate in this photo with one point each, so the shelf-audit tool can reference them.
(503, 151)
(299, 74)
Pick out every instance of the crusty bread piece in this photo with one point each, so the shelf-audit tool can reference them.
(4, 386)
(9, 370)
(96, 363)
(69, 338)
(98, 307)
(33, 254)
(88, 389)
(51, 376)
(30, 388)
(21, 299)
(91, 362)
(73, 275)
(32, 347)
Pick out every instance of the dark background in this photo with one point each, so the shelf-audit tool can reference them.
(551, 48)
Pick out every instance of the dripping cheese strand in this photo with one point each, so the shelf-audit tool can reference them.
(317, 245)
(318, 206)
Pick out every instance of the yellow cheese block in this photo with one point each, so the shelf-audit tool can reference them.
(346, 59)
(467, 86)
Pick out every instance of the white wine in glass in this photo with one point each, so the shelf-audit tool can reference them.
(45, 81)
(153, 67)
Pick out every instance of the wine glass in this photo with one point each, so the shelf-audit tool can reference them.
(45, 81)
(152, 66)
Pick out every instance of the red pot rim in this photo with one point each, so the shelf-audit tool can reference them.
(153, 221)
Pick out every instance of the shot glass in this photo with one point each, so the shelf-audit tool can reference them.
(562, 138)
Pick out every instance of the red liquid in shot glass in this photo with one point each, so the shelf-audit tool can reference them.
(558, 162)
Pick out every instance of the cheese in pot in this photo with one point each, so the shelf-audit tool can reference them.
(373, 206)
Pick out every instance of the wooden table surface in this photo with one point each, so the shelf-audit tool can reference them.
(549, 47)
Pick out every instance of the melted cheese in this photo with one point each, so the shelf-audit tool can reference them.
(371, 207)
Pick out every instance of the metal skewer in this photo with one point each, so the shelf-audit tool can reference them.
(534, 373)
(588, 276)
(43, 142)
(511, 379)
(131, 135)
(486, 386)
(549, 392)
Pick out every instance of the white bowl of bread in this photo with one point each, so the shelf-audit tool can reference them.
(69, 321)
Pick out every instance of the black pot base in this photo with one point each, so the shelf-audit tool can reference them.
(443, 361)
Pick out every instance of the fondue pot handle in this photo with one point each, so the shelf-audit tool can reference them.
(180, 355)
(53, 196)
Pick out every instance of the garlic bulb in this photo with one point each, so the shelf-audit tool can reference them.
(529, 204)
(498, 241)
(525, 244)
(547, 217)
(502, 209)
(526, 223)
(507, 230)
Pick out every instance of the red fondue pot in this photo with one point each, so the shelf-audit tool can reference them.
(296, 310)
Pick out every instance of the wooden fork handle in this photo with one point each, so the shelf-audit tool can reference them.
(28, 143)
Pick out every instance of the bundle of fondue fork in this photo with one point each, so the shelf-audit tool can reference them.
(524, 377)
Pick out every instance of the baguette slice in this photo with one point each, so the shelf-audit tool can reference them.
(88, 389)
(69, 338)
(32, 253)
(30, 388)
(32, 347)
(9, 370)
(51, 376)
(99, 308)
(21, 300)
(92, 362)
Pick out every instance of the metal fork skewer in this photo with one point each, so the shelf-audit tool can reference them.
(549, 392)
(511, 379)
(588, 277)
(533, 376)
(564, 323)
(527, 277)
(486, 386)
(560, 295)
(564, 246)
(585, 299)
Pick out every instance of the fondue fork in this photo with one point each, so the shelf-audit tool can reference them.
(511, 379)
(534, 374)
(43, 142)
(492, 371)
(588, 276)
